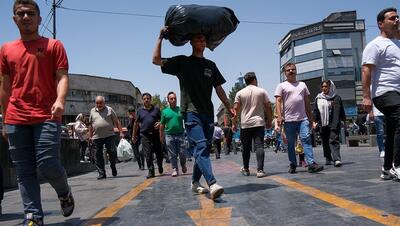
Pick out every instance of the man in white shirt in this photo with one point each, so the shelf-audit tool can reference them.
(256, 113)
(381, 72)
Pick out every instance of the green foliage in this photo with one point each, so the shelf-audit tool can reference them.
(156, 101)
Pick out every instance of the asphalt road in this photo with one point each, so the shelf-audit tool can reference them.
(350, 195)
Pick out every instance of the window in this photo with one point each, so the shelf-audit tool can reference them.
(310, 74)
(307, 40)
(340, 71)
(335, 62)
(339, 52)
(308, 56)
(337, 35)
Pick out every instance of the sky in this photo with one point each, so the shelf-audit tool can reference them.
(121, 46)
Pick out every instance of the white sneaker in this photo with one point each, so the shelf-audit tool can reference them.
(216, 191)
(386, 174)
(198, 188)
(261, 174)
(382, 154)
(338, 163)
(395, 171)
(174, 173)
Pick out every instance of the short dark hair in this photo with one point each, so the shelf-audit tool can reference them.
(328, 82)
(130, 110)
(171, 92)
(249, 77)
(381, 14)
(288, 64)
(25, 2)
(146, 94)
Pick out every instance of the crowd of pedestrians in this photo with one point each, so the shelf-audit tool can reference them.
(34, 138)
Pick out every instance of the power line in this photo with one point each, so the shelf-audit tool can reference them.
(109, 12)
(46, 22)
(158, 16)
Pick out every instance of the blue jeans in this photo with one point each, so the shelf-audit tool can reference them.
(380, 133)
(200, 129)
(37, 147)
(175, 145)
(303, 129)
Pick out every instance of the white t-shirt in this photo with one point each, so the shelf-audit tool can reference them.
(384, 53)
(252, 100)
(293, 95)
(218, 133)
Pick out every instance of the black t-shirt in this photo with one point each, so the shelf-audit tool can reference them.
(197, 76)
(147, 118)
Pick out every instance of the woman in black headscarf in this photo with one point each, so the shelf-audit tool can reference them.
(328, 114)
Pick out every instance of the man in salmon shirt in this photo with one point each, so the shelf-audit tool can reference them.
(34, 70)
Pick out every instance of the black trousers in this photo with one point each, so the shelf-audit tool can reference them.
(330, 143)
(139, 156)
(110, 149)
(248, 136)
(151, 145)
(1, 185)
(217, 143)
(82, 146)
(389, 105)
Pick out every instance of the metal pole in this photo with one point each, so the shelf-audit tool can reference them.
(54, 19)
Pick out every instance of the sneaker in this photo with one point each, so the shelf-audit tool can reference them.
(313, 168)
(114, 171)
(150, 175)
(395, 171)
(261, 173)
(184, 169)
(101, 177)
(303, 164)
(67, 204)
(245, 172)
(198, 188)
(174, 173)
(338, 163)
(160, 170)
(216, 191)
(386, 174)
(382, 154)
(30, 220)
(292, 169)
(328, 162)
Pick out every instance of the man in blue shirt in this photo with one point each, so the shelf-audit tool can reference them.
(148, 119)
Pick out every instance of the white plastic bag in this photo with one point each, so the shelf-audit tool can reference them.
(124, 150)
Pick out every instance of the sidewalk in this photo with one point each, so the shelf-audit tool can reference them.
(331, 197)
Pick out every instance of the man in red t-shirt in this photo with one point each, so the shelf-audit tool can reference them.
(35, 83)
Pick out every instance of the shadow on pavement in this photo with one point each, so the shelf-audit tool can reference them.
(248, 188)
(11, 216)
(99, 221)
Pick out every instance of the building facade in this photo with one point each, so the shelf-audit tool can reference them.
(83, 89)
(330, 49)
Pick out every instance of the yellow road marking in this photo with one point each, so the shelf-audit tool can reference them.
(353, 207)
(117, 205)
(209, 215)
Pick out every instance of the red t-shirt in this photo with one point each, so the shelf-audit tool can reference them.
(32, 67)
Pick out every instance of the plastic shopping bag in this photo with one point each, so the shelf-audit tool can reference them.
(124, 150)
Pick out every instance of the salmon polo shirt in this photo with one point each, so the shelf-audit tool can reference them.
(32, 67)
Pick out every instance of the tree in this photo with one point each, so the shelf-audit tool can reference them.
(236, 88)
(156, 101)
(231, 97)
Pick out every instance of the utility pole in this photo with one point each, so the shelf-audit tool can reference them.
(54, 18)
